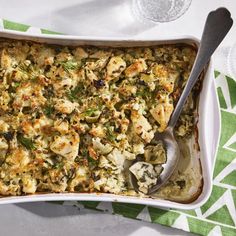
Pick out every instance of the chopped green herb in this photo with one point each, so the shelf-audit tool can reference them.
(90, 112)
(59, 165)
(74, 93)
(28, 70)
(70, 65)
(26, 142)
(84, 153)
(48, 110)
(16, 84)
(92, 162)
(143, 92)
(34, 79)
(110, 133)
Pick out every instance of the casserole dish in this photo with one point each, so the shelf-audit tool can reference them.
(203, 134)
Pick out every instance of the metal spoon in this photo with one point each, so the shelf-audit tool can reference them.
(217, 25)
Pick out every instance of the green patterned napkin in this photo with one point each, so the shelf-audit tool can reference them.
(218, 215)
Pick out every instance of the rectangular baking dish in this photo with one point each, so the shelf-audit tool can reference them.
(208, 125)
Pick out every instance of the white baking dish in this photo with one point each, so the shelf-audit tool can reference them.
(208, 125)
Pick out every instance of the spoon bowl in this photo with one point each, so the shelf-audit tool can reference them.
(173, 154)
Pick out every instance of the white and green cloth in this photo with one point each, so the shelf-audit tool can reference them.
(218, 215)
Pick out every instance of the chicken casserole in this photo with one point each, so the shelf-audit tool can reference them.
(72, 119)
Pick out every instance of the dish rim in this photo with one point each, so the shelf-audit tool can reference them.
(205, 158)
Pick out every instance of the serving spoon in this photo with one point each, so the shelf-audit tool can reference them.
(217, 25)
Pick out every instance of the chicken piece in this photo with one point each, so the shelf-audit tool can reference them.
(90, 75)
(3, 126)
(66, 145)
(3, 148)
(42, 55)
(29, 95)
(160, 71)
(101, 148)
(98, 131)
(81, 176)
(40, 125)
(4, 100)
(6, 59)
(19, 157)
(80, 53)
(61, 85)
(137, 67)
(102, 59)
(61, 126)
(27, 128)
(115, 67)
(141, 126)
(117, 158)
(161, 113)
(29, 184)
(64, 106)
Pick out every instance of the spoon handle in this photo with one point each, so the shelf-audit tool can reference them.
(217, 25)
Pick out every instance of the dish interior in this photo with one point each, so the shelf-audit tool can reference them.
(72, 119)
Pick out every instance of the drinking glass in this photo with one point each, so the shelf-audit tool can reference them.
(160, 10)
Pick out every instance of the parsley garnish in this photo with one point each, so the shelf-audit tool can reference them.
(16, 84)
(26, 142)
(110, 133)
(90, 112)
(143, 92)
(59, 165)
(28, 70)
(48, 110)
(92, 162)
(73, 94)
(70, 65)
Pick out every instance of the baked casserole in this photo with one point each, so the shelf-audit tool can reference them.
(72, 119)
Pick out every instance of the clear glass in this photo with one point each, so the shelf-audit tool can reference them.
(160, 10)
(232, 61)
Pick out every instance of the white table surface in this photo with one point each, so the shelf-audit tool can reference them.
(109, 18)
